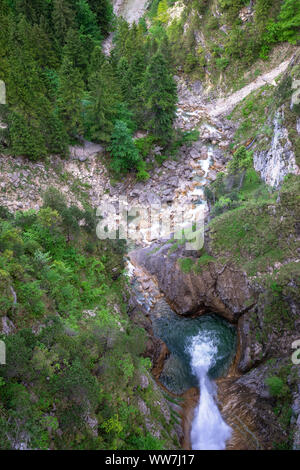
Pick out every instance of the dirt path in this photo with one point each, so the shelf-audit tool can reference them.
(225, 105)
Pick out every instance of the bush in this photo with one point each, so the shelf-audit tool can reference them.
(186, 264)
(222, 63)
(275, 385)
(289, 21)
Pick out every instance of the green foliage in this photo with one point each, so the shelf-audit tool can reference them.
(125, 156)
(47, 49)
(186, 264)
(160, 95)
(280, 384)
(102, 108)
(203, 261)
(70, 95)
(162, 11)
(147, 442)
(61, 88)
(242, 160)
(144, 145)
(289, 21)
(73, 340)
(262, 13)
(275, 385)
(104, 13)
(241, 233)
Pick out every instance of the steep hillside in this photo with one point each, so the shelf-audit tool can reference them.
(188, 106)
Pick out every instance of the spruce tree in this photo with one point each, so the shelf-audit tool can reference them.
(104, 14)
(96, 61)
(160, 95)
(87, 20)
(63, 18)
(123, 76)
(102, 109)
(125, 155)
(25, 136)
(135, 78)
(32, 9)
(70, 95)
(75, 52)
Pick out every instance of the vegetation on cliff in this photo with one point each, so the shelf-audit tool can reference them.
(224, 38)
(63, 303)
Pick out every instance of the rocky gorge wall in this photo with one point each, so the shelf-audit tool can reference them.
(221, 287)
(244, 398)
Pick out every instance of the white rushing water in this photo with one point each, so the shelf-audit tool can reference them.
(209, 430)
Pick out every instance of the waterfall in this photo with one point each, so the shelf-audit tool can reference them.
(209, 430)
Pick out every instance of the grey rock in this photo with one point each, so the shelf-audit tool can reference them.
(279, 160)
(7, 326)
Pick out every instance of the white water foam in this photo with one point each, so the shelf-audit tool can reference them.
(209, 430)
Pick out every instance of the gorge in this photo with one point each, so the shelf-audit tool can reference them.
(150, 341)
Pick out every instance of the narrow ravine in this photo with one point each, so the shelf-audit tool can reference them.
(201, 348)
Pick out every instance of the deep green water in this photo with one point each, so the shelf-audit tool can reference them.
(177, 332)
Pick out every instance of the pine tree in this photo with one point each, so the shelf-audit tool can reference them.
(87, 20)
(75, 52)
(160, 95)
(63, 18)
(123, 76)
(70, 95)
(32, 9)
(102, 110)
(25, 137)
(104, 13)
(125, 155)
(136, 75)
(96, 61)
(262, 13)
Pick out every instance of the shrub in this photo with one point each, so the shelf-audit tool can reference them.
(186, 264)
(275, 385)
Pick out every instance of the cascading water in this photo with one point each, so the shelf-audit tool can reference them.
(209, 430)
(201, 349)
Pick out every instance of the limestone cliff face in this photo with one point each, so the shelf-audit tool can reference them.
(131, 10)
(281, 153)
(279, 159)
(222, 289)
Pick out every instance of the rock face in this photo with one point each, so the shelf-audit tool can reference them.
(279, 160)
(249, 414)
(277, 342)
(244, 398)
(87, 150)
(219, 288)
